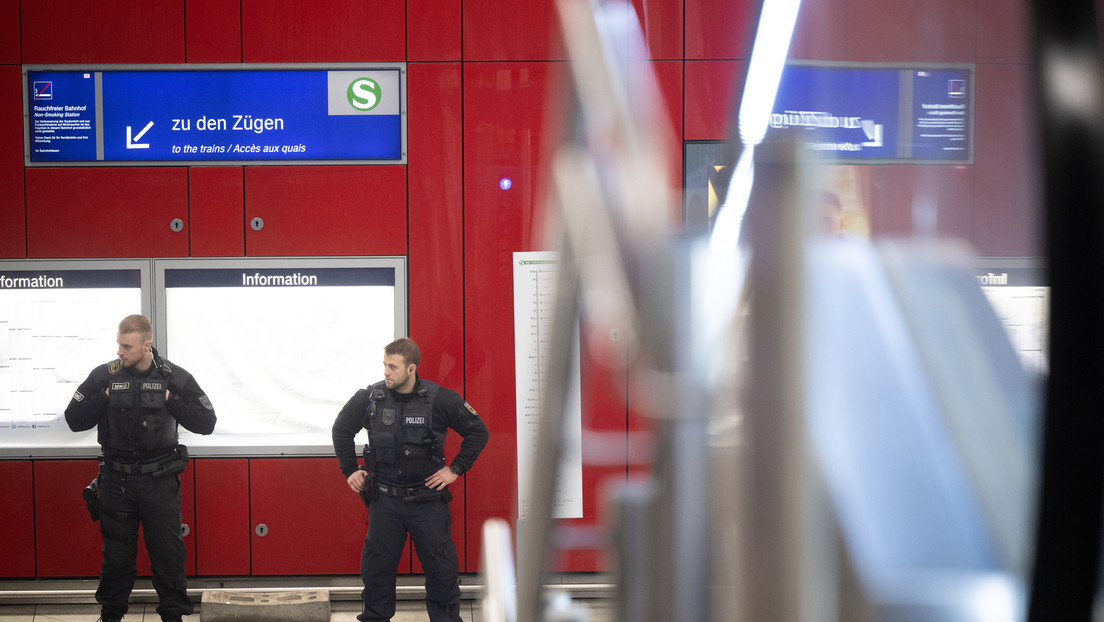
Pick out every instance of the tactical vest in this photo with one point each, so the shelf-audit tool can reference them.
(137, 420)
(401, 442)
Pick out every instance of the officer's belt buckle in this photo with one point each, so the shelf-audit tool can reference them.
(140, 468)
(402, 492)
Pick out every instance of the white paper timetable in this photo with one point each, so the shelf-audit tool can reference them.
(535, 275)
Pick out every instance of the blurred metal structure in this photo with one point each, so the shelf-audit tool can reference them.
(1069, 84)
(843, 430)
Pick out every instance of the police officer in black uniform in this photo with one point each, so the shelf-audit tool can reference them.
(137, 401)
(405, 480)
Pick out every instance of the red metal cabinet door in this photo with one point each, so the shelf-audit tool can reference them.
(216, 200)
(68, 543)
(312, 523)
(17, 556)
(325, 210)
(107, 212)
(222, 525)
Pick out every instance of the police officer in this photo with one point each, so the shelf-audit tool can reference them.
(136, 402)
(405, 480)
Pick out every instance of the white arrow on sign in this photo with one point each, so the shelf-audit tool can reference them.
(132, 142)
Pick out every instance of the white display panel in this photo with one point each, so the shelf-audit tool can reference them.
(279, 345)
(1016, 289)
(58, 320)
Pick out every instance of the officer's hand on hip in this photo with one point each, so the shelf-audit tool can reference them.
(356, 480)
(441, 478)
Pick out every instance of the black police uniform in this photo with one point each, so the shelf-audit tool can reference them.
(139, 479)
(406, 439)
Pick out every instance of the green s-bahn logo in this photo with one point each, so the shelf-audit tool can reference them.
(364, 94)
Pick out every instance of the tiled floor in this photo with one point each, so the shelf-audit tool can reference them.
(596, 610)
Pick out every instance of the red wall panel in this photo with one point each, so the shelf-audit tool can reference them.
(605, 453)
(716, 87)
(106, 212)
(213, 31)
(911, 30)
(436, 260)
(124, 31)
(67, 542)
(920, 200)
(13, 212)
(662, 26)
(433, 30)
(9, 32)
(222, 528)
(669, 80)
(17, 556)
(326, 210)
(1008, 218)
(821, 31)
(316, 525)
(436, 184)
(508, 30)
(287, 31)
(721, 29)
(1002, 34)
(216, 197)
(503, 135)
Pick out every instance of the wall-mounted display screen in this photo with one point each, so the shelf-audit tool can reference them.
(279, 345)
(58, 320)
(861, 112)
(194, 114)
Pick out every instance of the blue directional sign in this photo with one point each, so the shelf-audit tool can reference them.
(865, 113)
(203, 114)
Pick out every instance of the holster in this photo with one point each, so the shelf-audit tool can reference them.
(92, 498)
(371, 490)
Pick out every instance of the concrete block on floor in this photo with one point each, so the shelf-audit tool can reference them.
(275, 606)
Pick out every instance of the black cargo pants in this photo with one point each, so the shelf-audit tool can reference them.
(130, 500)
(429, 524)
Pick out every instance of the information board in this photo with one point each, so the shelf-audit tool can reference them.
(1016, 288)
(278, 344)
(58, 320)
(198, 114)
(866, 113)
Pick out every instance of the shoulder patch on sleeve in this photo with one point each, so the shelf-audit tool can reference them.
(470, 409)
(114, 367)
(78, 396)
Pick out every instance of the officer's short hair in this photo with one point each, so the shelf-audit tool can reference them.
(137, 324)
(405, 348)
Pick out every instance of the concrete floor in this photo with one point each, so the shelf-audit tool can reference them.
(595, 610)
